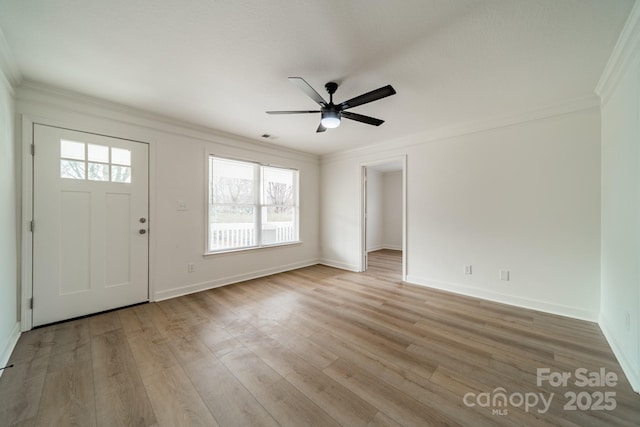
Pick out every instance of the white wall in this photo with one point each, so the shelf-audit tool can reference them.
(178, 173)
(620, 282)
(375, 210)
(9, 327)
(392, 210)
(523, 197)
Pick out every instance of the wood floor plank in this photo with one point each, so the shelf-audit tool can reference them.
(175, 401)
(381, 420)
(121, 398)
(21, 388)
(227, 399)
(151, 355)
(287, 405)
(33, 345)
(72, 344)
(340, 403)
(68, 398)
(105, 322)
(404, 409)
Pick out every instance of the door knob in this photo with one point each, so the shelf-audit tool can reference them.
(142, 231)
(143, 220)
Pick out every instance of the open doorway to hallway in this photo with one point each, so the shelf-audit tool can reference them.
(384, 215)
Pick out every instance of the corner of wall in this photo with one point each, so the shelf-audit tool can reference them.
(618, 90)
(9, 249)
(9, 71)
(632, 373)
(628, 43)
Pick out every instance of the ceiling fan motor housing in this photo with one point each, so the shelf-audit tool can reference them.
(331, 87)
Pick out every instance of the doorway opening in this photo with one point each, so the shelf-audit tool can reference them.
(383, 219)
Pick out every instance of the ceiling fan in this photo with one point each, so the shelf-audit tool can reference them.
(332, 113)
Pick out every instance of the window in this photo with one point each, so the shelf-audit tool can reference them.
(251, 205)
(79, 160)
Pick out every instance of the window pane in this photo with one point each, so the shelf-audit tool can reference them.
(98, 153)
(120, 174)
(231, 182)
(98, 172)
(231, 227)
(277, 186)
(278, 225)
(72, 150)
(120, 156)
(72, 169)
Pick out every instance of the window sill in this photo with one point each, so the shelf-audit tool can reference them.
(252, 248)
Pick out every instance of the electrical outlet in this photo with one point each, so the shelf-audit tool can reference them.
(504, 275)
(467, 269)
(191, 267)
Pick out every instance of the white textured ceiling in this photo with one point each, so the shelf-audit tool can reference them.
(223, 63)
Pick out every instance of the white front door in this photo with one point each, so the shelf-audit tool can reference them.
(90, 213)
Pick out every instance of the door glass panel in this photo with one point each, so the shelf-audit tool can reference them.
(120, 174)
(72, 169)
(98, 172)
(98, 153)
(120, 156)
(72, 150)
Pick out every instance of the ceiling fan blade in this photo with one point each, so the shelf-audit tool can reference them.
(293, 112)
(306, 88)
(321, 128)
(374, 95)
(360, 118)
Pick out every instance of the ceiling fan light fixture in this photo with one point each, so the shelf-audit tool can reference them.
(330, 119)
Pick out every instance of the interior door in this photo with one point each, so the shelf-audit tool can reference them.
(90, 230)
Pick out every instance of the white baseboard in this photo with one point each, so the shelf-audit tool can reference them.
(629, 370)
(9, 345)
(339, 264)
(547, 307)
(203, 286)
(381, 247)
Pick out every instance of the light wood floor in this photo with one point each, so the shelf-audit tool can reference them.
(311, 347)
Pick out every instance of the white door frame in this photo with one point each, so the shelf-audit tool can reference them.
(363, 201)
(26, 280)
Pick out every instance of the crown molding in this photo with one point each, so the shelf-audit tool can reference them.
(31, 92)
(627, 49)
(587, 102)
(9, 70)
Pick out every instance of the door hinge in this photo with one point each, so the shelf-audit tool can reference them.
(31, 303)
(33, 149)
(31, 226)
